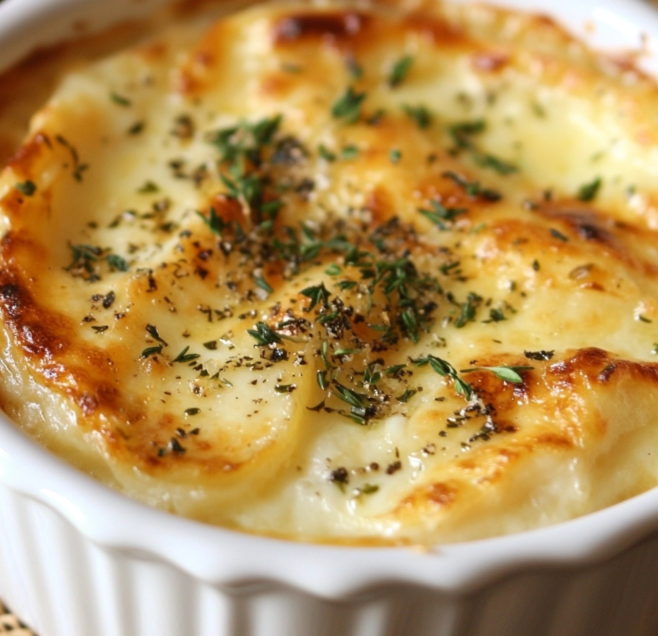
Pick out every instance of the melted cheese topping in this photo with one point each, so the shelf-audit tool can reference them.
(386, 275)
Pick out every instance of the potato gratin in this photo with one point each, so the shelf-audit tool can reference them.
(386, 275)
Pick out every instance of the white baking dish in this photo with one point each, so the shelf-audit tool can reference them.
(77, 559)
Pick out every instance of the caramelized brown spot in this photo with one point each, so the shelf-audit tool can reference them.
(154, 52)
(39, 332)
(28, 153)
(378, 204)
(329, 26)
(554, 440)
(440, 494)
(228, 209)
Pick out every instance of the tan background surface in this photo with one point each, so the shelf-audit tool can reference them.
(9, 624)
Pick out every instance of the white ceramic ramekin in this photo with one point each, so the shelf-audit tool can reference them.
(77, 559)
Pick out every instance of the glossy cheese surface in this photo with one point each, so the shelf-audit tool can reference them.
(374, 275)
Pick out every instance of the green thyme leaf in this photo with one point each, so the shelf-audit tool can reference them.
(400, 71)
(215, 223)
(148, 188)
(445, 369)
(395, 155)
(492, 162)
(184, 356)
(439, 214)
(318, 294)
(420, 115)
(349, 152)
(153, 332)
(325, 153)
(150, 351)
(285, 388)
(468, 311)
(589, 191)
(350, 396)
(506, 373)
(264, 335)
(262, 283)
(120, 99)
(348, 106)
(28, 188)
(117, 263)
(407, 395)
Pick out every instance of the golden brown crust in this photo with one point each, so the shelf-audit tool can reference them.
(339, 274)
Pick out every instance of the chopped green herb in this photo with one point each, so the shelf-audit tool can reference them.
(461, 134)
(348, 106)
(589, 191)
(395, 155)
(325, 153)
(394, 370)
(216, 224)
(349, 152)
(350, 396)
(558, 235)
(407, 395)
(468, 310)
(117, 263)
(153, 332)
(500, 166)
(460, 130)
(333, 270)
(496, 315)
(83, 259)
(368, 489)
(445, 369)
(28, 188)
(148, 188)
(184, 356)
(211, 344)
(119, 99)
(150, 351)
(400, 71)
(285, 388)
(317, 294)
(192, 411)
(322, 380)
(264, 335)
(346, 351)
(420, 115)
(439, 214)
(508, 374)
(262, 284)
(136, 128)
(100, 328)
(473, 188)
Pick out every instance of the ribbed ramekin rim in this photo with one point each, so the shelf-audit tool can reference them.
(225, 557)
(234, 559)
